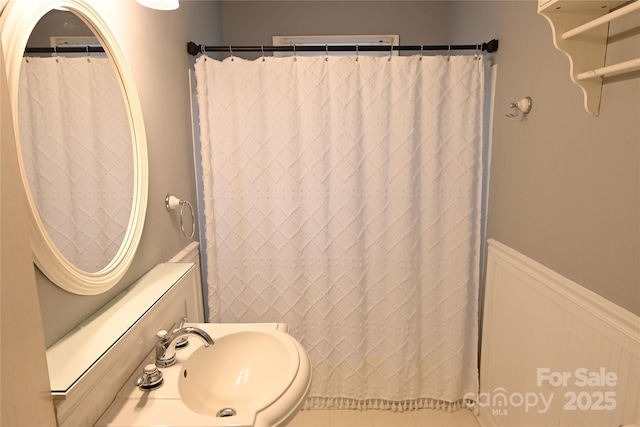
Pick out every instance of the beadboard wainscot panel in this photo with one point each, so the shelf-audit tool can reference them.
(553, 352)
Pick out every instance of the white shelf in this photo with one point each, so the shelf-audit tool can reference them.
(612, 70)
(74, 355)
(604, 19)
(580, 30)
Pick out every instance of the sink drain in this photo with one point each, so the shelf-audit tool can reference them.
(226, 412)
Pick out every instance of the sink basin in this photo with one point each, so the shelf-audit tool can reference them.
(243, 371)
(254, 375)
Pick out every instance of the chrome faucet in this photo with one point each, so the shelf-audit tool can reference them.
(166, 344)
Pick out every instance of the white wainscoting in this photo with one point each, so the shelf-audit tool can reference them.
(553, 352)
(191, 253)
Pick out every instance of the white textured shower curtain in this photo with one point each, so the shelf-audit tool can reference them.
(77, 153)
(342, 197)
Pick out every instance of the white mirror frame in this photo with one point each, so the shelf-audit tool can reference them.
(17, 21)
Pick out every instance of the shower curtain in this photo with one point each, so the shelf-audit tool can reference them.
(77, 153)
(342, 196)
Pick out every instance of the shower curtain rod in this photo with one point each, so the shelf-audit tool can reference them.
(194, 49)
(64, 49)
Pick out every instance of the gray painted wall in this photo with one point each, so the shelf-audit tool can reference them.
(565, 186)
(255, 22)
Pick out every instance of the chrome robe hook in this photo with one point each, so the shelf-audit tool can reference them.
(523, 106)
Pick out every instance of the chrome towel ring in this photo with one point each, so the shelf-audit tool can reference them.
(171, 203)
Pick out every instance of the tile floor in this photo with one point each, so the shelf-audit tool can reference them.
(350, 418)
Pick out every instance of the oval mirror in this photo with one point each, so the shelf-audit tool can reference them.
(81, 136)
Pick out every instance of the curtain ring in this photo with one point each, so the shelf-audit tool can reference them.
(390, 52)
(231, 52)
(326, 52)
(55, 51)
(421, 52)
(477, 51)
(262, 48)
(357, 56)
(449, 53)
(295, 58)
(202, 50)
(88, 54)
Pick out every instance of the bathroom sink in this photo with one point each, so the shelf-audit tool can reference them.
(242, 371)
(254, 375)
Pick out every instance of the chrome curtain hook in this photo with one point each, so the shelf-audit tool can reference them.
(231, 52)
(88, 54)
(421, 52)
(449, 53)
(262, 48)
(202, 50)
(295, 58)
(55, 51)
(326, 52)
(390, 52)
(357, 57)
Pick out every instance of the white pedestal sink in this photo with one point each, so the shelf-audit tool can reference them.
(254, 375)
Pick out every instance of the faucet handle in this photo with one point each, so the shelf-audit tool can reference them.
(182, 322)
(184, 340)
(162, 335)
(150, 379)
(163, 340)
